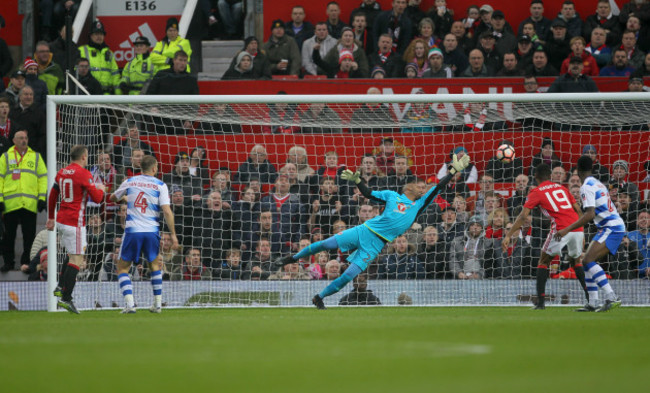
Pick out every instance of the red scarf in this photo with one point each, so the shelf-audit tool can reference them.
(6, 129)
(280, 201)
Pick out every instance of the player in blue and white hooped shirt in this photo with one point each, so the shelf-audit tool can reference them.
(146, 196)
(611, 229)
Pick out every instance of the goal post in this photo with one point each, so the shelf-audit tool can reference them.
(424, 128)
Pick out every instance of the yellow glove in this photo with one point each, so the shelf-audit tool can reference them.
(351, 176)
(458, 165)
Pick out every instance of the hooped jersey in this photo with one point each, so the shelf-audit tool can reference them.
(145, 197)
(594, 194)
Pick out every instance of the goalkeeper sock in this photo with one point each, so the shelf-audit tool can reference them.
(69, 279)
(156, 284)
(600, 278)
(127, 289)
(327, 244)
(336, 285)
(580, 275)
(542, 276)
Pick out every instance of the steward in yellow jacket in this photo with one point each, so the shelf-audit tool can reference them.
(138, 71)
(102, 60)
(163, 53)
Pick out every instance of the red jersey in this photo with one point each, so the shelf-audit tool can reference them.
(75, 184)
(556, 202)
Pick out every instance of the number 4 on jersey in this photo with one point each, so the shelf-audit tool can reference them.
(141, 202)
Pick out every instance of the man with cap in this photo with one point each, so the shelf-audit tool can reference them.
(16, 82)
(282, 51)
(635, 84)
(31, 79)
(558, 44)
(5, 56)
(102, 60)
(574, 81)
(469, 174)
(491, 57)
(138, 71)
(541, 23)
(165, 50)
(298, 28)
(485, 23)
(325, 43)
(524, 52)
(396, 24)
(261, 65)
(180, 176)
(437, 69)
(570, 18)
(619, 173)
(49, 72)
(502, 32)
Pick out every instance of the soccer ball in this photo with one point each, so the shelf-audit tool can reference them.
(505, 153)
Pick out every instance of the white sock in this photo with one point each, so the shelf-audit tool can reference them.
(157, 301)
(130, 303)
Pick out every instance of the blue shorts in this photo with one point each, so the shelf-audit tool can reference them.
(136, 243)
(611, 238)
(366, 245)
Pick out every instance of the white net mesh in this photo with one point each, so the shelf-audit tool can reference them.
(241, 215)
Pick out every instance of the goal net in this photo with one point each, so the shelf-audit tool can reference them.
(253, 178)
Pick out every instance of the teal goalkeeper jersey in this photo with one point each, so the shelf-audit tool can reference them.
(399, 214)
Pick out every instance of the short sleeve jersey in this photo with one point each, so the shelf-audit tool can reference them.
(556, 203)
(75, 184)
(594, 194)
(145, 197)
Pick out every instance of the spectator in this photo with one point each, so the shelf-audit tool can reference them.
(469, 174)
(347, 66)
(401, 262)
(16, 82)
(433, 254)
(298, 155)
(546, 156)
(449, 228)
(86, 78)
(115, 228)
(541, 66)
(298, 28)
(5, 57)
(497, 221)
(502, 32)
(370, 8)
(193, 268)
(477, 202)
(102, 60)
(465, 43)
(360, 295)
(332, 268)
(530, 86)
(396, 24)
(199, 168)
(398, 176)
(386, 155)
(49, 71)
(287, 210)
(296, 187)
(316, 116)
(416, 53)
(491, 57)
(95, 252)
(345, 43)
(504, 172)
(558, 44)
(122, 150)
(362, 33)
(332, 169)
(38, 266)
(633, 24)
(171, 258)
(220, 182)
(485, 21)
(436, 67)
(620, 170)
(635, 56)
(597, 47)
(281, 118)
(626, 208)
(476, 68)
(517, 200)
(456, 186)
(605, 19)
(415, 14)
(453, 56)
(325, 43)
(635, 84)
(334, 24)
(386, 59)
(541, 23)
(231, 12)
(442, 17)
(138, 72)
(165, 52)
(425, 32)
(326, 207)
(510, 68)
(256, 165)
(571, 18)
(468, 252)
(7, 128)
(368, 114)
(104, 173)
(220, 119)
(31, 118)
(282, 51)
(231, 267)
(558, 175)
(624, 265)
(261, 64)
(32, 80)
(21, 196)
(214, 228)
(641, 237)
(135, 166)
(60, 51)
(180, 176)
(470, 22)
(53, 13)
(265, 228)
(242, 69)
(524, 51)
(574, 81)
(175, 80)
(291, 271)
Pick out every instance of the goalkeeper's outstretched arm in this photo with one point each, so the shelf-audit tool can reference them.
(456, 166)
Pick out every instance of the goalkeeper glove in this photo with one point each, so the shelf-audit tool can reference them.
(351, 176)
(458, 165)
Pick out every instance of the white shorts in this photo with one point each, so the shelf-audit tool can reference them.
(73, 238)
(573, 240)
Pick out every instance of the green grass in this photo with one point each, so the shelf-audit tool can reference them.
(338, 350)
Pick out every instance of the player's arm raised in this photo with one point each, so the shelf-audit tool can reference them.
(521, 218)
(589, 215)
(457, 165)
(169, 219)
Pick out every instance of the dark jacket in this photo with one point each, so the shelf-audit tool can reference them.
(456, 60)
(401, 267)
(502, 172)
(435, 261)
(568, 84)
(40, 89)
(366, 116)
(5, 58)
(549, 70)
(311, 124)
(213, 232)
(265, 172)
(290, 215)
(357, 298)
(90, 83)
(31, 119)
(557, 51)
(542, 27)
(612, 24)
(191, 185)
(387, 23)
(172, 83)
(306, 32)
(284, 48)
(394, 65)
(58, 49)
(395, 183)
(229, 122)
(120, 149)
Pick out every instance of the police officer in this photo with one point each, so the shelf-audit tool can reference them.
(138, 71)
(23, 188)
(102, 61)
(165, 49)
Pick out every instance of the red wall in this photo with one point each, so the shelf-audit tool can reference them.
(428, 151)
(12, 33)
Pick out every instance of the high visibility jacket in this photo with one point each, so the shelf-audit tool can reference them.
(103, 67)
(164, 51)
(52, 74)
(30, 187)
(136, 73)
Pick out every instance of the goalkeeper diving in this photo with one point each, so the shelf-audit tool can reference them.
(368, 239)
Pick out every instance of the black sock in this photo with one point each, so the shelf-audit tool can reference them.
(61, 274)
(580, 274)
(542, 276)
(69, 279)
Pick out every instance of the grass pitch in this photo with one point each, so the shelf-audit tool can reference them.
(337, 350)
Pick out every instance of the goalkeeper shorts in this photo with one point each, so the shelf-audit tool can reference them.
(366, 245)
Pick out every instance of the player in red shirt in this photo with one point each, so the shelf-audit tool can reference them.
(75, 184)
(557, 203)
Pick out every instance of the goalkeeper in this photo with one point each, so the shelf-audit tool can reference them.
(368, 239)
